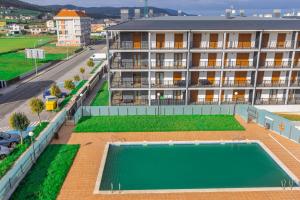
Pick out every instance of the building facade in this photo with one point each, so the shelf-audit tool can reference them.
(201, 60)
(73, 28)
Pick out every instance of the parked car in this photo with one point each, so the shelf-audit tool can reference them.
(9, 140)
(4, 151)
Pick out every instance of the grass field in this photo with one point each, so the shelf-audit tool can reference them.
(15, 64)
(292, 117)
(9, 161)
(12, 43)
(101, 98)
(160, 123)
(45, 179)
(52, 48)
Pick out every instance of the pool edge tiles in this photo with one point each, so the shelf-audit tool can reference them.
(269, 153)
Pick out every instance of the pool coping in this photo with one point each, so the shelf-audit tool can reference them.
(263, 146)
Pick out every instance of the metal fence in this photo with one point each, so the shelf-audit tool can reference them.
(86, 111)
(12, 178)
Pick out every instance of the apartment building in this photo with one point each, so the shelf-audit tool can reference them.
(205, 60)
(73, 28)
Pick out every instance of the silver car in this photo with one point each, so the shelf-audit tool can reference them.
(4, 151)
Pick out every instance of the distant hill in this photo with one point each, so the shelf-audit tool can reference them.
(95, 12)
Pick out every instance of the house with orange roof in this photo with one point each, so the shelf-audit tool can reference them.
(73, 28)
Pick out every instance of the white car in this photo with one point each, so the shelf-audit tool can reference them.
(98, 56)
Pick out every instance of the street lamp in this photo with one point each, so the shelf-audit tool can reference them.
(235, 102)
(158, 95)
(81, 103)
(31, 134)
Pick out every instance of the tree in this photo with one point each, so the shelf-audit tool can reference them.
(20, 122)
(90, 63)
(55, 91)
(76, 78)
(37, 106)
(82, 71)
(69, 85)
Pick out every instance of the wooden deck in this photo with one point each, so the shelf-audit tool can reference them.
(81, 180)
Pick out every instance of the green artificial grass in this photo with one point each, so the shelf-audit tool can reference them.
(162, 123)
(13, 43)
(96, 67)
(15, 64)
(101, 98)
(9, 161)
(46, 177)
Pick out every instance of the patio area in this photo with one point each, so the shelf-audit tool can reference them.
(81, 179)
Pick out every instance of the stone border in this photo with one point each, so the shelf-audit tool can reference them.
(263, 146)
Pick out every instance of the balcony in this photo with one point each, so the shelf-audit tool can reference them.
(237, 83)
(129, 102)
(156, 102)
(274, 64)
(295, 84)
(167, 45)
(240, 45)
(270, 101)
(206, 101)
(168, 65)
(297, 65)
(169, 84)
(208, 65)
(238, 65)
(294, 100)
(235, 101)
(128, 45)
(205, 83)
(119, 83)
(207, 45)
(278, 45)
(129, 64)
(273, 84)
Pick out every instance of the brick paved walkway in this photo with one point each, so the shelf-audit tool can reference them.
(81, 179)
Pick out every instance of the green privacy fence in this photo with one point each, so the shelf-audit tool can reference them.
(159, 110)
(12, 178)
(264, 118)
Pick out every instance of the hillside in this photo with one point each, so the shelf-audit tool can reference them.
(95, 12)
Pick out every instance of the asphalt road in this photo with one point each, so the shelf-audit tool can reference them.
(16, 99)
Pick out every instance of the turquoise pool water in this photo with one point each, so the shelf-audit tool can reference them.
(190, 166)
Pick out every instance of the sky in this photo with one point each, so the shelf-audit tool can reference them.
(189, 6)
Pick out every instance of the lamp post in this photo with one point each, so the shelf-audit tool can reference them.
(81, 103)
(31, 134)
(235, 102)
(158, 95)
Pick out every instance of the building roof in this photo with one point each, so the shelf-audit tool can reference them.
(71, 13)
(208, 23)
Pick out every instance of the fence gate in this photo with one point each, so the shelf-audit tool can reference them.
(252, 114)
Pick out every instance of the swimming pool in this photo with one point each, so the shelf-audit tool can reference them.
(191, 166)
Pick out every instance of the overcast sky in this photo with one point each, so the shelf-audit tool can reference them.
(192, 6)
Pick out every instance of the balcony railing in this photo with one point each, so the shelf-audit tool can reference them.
(238, 65)
(240, 45)
(294, 100)
(130, 64)
(273, 64)
(168, 45)
(129, 45)
(156, 102)
(207, 45)
(297, 65)
(238, 100)
(295, 84)
(237, 83)
(208, 65)
(169, 84)
(129, 84)
(129, 102)
(205, 83)
(168, 65)
(269, 101)
(206, 101)
(278, 45)
(273, 84)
